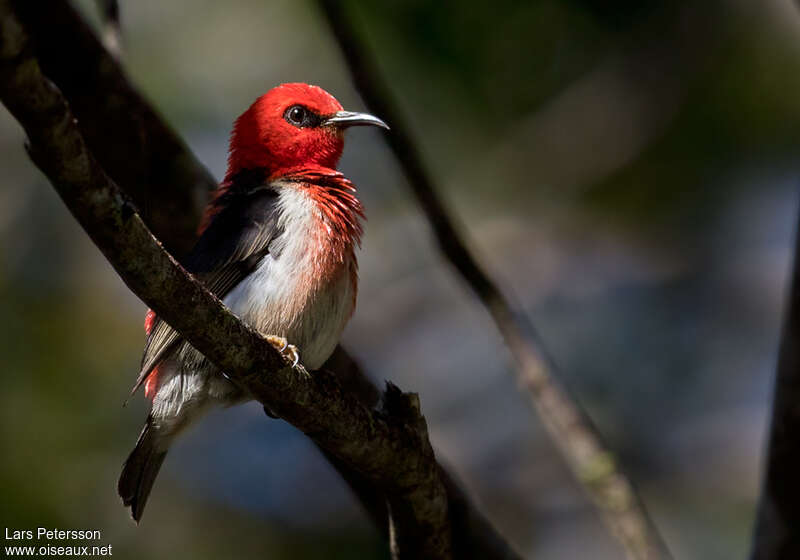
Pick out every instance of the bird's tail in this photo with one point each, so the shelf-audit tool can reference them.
(140, 470)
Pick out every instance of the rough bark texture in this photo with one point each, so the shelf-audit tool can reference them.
(777, 534)
(361, 443)
(569, 427)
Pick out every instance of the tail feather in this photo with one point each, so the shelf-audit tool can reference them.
(140, 470)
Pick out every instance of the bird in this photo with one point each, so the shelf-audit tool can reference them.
(277, 244)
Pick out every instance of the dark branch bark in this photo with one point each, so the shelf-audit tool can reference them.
(777, 532)
(569, 427)
(473, 536)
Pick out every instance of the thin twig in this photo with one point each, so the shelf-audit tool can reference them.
(569, 427)
(777, 530)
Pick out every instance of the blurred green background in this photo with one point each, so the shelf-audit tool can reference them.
(628, 170)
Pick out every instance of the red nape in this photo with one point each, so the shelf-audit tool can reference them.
(151, 385)
(149, 319)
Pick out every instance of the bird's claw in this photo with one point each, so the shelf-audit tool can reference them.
(289, 352)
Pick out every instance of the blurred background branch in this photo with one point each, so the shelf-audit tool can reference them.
(570, 428)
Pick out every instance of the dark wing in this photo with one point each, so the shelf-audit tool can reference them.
(230, 248)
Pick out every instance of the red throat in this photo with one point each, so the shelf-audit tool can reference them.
(335, 197)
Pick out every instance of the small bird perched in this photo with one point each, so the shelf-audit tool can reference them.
(277, 245)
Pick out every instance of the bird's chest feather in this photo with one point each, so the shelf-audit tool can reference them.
(305, 288)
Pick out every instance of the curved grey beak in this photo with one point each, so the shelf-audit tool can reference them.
(344, 119)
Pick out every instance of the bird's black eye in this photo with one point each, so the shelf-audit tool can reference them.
(295, 115)
(299, 116)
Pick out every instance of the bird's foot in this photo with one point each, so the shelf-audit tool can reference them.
(289, 352)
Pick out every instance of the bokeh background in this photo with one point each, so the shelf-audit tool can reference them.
(628, 170)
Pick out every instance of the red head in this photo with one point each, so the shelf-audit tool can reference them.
(292, 126)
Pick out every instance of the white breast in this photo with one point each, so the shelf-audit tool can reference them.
(281, 297)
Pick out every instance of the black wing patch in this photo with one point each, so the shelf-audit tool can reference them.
(230, 248)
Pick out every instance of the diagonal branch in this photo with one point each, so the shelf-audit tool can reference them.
(777, 531)
(568, 425)
(389, 447)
